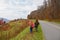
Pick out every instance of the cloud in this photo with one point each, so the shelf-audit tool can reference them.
(38, 2)
(10, 16)
(12, 9)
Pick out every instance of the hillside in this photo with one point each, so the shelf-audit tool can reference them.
(19, 30)
(12, 29)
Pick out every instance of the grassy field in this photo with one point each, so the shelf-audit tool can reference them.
(16, 28)
(20, 31)
(26, 35)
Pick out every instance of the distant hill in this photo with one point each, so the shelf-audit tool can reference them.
(4, 19)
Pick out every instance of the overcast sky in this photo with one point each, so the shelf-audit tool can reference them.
(13, 9)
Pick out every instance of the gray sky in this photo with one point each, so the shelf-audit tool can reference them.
(13, 9)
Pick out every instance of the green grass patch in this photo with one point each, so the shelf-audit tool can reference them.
(26, 35)
(57, 22)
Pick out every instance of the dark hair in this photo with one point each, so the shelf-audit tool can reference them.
(36, 23)
(36, 20)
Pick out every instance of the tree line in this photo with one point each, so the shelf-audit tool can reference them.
(50, 10)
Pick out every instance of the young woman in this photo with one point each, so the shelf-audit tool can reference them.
(31, 24)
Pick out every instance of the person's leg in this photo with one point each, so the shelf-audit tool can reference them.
(31, 29)
(36, 28)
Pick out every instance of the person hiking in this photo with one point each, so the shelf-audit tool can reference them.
(36, 25)
(31, 24)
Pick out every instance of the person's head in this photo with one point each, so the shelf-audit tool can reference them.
(29, 21)
(36, 20)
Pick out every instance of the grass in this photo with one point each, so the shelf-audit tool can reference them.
(9, 33)
(26, 35)
(57, 22)
(16, 28)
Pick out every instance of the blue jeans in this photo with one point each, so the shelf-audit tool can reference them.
(31, 29)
